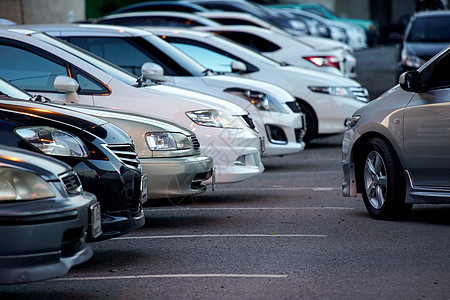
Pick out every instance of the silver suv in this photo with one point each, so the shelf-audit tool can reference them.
(396, 148)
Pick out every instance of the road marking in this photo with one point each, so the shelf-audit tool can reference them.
(172, 276)
(246, 208)
(215, 235)
(278, 188)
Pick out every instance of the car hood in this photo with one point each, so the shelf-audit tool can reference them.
(391, 100)
(46, 167)
(154, 124)
(424, 50)
(224, 81)
(193, 100)
(51, 111)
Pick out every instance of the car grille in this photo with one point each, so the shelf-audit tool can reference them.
(293, 105)
(72, 183)
(360, 93)
(126, 154)
(249, 121)
(195, 143)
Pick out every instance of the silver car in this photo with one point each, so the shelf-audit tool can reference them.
(396, 148)
(168, 152)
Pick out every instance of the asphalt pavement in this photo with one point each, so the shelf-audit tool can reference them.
(287, 234)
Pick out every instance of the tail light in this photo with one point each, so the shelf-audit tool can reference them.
(323, 61)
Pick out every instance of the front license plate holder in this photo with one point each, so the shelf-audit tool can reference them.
(96, 220)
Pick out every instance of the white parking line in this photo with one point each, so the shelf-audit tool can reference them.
(278, 188)
(216, 235)
(172, 276)
(248, 208)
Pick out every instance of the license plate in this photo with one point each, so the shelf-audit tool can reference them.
(144, 187)
(96, 220)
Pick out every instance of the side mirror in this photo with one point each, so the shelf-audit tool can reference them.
(410, 81)
(238, 67)
(152, 71)
(69, 86)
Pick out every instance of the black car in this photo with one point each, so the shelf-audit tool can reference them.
(45, 217)
(102, 154)
(180, 6)
(427, 33)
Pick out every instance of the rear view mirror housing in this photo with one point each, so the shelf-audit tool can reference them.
(153, 72)
(411, 81)
(238, 67)
(69, 86)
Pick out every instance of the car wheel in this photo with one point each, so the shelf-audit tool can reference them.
(311, 123)
(383, 181)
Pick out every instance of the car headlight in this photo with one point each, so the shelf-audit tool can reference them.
(214, 118)
(167, 141)
(411, 61)
(358, 93)
(53, 141)
(260, 100)
(21, 185)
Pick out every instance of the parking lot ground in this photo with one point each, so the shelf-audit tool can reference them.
(287, 234)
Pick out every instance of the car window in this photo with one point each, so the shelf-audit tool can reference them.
(440, 75)
(113, 49)
(431, 30)
(250, 40)
(153, 21)
(28, 70)
(315, 11)
(231, 21)
(88, 85)
(208, 58)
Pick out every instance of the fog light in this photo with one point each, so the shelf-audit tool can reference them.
(240, 161)
(276, 135)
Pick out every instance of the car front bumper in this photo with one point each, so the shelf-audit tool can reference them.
(43, 239)
(177, 176)
(349, 181)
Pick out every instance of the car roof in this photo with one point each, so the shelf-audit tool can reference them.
(95, 29)
(434, 13)
(158, 13)
(141, 6)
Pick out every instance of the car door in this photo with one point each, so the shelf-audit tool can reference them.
(427, 128)
(35, 70)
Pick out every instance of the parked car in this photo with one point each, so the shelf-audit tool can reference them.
(45, 217)
(179, 6)
(395, 150)
(157, 18)
(274, 111)
(354, 35)
(102, 154)
(369, 26)
(169, 153)
(224, 129)
(289, 23)
(288, 50)
(327, 100)
(426, 34)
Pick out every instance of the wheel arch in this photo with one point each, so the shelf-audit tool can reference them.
(316, 119)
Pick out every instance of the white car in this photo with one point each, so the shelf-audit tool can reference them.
(285, 48)
(327, 100)
(357, 38)
(44, 65)
(274, 111)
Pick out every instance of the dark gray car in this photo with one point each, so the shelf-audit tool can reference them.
(396, 148)
(45, 217)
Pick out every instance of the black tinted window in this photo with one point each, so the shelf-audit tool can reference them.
(440, 75)
(152, 21)
(250, 40)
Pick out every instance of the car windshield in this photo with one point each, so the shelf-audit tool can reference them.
(176, 55)
(98, 62)
(12, 91)
(430, 30)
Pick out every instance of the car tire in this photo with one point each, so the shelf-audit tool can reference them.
(311, 123)
(382, 181)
